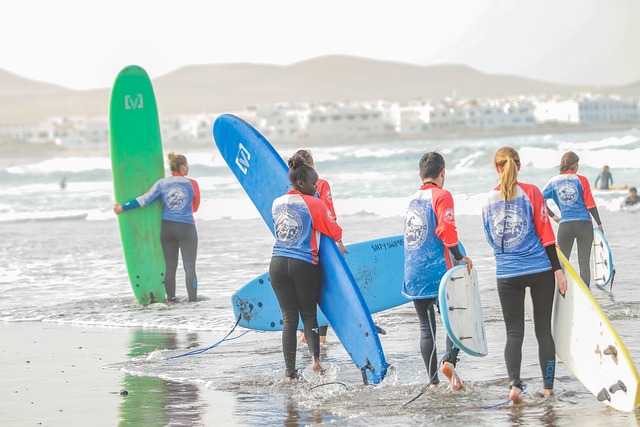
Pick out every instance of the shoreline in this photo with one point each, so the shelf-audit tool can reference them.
(56, 374)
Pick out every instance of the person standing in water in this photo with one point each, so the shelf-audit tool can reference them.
(324, 193)
(517, 227)
(430, 239)
(572, 194)
(180, 198)
(632, 199)
(298, 218)
(605, 178)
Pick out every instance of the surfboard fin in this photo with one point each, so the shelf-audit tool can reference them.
(604, 395)
(363, 371)
(618, 387)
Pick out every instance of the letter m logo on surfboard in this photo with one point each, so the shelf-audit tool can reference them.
(242, 158)
(133, 103)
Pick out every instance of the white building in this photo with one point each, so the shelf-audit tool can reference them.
(557, 111)
(595, 109)
(352, 120)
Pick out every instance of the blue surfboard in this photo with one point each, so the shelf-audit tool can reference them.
(461, 310)
(377, 266)
(601, 261)
(263, 175)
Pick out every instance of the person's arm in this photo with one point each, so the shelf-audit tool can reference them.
(195, 204)
(551, 213)
(556, 267)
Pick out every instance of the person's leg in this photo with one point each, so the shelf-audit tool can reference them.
(449, 364)
(427, 318)
(189, 249)
(542, 294)
(323, 333)
(307, 280)
(170, 250)
(566, 236)
(285, 292)
(511, 292)
(584, 237)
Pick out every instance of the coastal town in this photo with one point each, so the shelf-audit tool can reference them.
(353, 120)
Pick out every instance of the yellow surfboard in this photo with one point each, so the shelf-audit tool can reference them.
(590, 347)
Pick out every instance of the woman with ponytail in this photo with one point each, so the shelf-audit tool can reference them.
(298, 219)
(572, 194)
(180, 199)
(517, 227)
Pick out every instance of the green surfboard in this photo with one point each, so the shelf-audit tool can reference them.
(136, 164)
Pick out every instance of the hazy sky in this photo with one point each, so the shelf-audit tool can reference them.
(84, 43)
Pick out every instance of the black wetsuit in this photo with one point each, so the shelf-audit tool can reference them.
(179, 236)
(296, 284)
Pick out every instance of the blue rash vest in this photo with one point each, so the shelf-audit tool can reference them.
(518, 230)
(180, 198)
(572, 193)
(429, 232)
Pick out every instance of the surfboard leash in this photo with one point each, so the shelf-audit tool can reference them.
(505, 402)
(202, 350)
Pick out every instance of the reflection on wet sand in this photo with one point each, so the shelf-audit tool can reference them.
(152, 401)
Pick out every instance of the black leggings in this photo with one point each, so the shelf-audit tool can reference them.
(582, 232)
(512, 293)
(425, 308)
(296, 284)
(183, 236)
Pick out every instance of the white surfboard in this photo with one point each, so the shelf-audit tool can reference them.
(461, 310)
(590, 347)
(601, 262)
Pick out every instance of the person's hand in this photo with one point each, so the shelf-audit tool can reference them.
(343, 250)
(601, 228)
(117, 209)
(467, 261)
(561, 280)
(556, 218)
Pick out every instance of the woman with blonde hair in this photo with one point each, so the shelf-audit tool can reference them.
(180, 199)
(517, 227)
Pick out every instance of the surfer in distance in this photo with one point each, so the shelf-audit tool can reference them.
(604, 178)
(430, 241)
(572, 194)
(632, 199)
(299, 217)
(526, 256)
(180, 198)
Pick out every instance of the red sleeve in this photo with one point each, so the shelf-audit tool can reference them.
(324, 191)
(446, 229)
(322, 219)
(195, 204)
(588, 196)
(540, 215)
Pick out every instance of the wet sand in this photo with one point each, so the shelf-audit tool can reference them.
(54, 375)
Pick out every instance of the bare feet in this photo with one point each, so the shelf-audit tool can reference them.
(547, 392)
(315, 366)
(323, 339)
(515, 396)
(302, 339)
(455, 383)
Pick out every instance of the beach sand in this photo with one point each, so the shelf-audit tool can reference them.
(54, 375)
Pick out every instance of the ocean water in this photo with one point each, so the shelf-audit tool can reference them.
(62, 263)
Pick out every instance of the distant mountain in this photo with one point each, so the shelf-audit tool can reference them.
(229, 87)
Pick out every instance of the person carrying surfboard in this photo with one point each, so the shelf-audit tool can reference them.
(517, 227)
(324, 193)
(298, 219)
(180, 199)
(572, 194)
(430, 239)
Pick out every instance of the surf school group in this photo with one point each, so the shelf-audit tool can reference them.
(516, 219)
